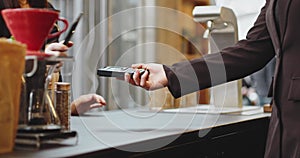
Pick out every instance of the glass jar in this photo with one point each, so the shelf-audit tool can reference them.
(62, 101)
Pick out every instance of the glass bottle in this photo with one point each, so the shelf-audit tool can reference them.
(62, 100)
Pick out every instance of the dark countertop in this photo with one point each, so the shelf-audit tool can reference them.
(131, 130)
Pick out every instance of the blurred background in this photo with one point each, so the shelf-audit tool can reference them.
(123, 32)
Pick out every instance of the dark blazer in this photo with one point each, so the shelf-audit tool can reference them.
(265, 40)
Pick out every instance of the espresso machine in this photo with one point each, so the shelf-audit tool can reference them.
(39, 124)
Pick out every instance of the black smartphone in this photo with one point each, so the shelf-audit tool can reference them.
(116, 71)
(72, 29)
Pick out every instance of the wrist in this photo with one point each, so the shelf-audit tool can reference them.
(74, 111)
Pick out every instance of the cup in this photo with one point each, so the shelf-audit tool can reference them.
(32, 26)
(12, 63)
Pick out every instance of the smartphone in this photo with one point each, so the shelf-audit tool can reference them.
(72, 29)
(116, 71)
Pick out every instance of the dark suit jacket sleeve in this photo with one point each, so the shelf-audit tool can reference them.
(238, 61)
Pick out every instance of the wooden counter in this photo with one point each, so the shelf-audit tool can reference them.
(140, 133)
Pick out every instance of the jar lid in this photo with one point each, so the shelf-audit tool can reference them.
(63, 86)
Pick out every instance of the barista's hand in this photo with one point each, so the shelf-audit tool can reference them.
(86, 102)
(152, 79)
(58, 49)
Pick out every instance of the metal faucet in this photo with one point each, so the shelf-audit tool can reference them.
(216, 18)
(212, 25)
(221, 29)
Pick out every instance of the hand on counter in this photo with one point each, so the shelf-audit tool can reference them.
(152, 79)
(86, 102)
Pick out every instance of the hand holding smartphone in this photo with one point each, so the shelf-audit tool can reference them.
(72, 29)
(116, 71)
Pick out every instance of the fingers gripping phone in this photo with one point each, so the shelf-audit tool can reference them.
(72, 29)
(117, 71)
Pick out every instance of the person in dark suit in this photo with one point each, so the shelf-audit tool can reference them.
(274, 34)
